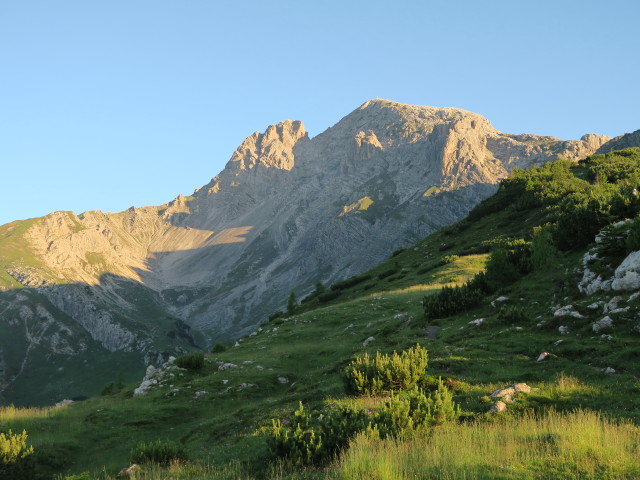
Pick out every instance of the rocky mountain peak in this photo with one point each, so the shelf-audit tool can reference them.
(273, 148)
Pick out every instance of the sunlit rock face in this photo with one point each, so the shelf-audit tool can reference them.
(286, 212)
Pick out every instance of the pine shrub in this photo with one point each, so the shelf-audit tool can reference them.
(315, 437)
(450, 300)
(191, 361)
(384, 373)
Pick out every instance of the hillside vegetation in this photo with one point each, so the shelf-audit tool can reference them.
(318, 392)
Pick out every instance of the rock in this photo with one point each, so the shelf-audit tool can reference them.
(567, 310)
(182, 298)
(627, 275)
(609, 370)
(368, 341)
(348, 327)
(477, 321)
(244, 386)
(227, 366)
(498, 407)
(612, 304)
(595, 305)
(557, 342)
(200, 393)
(633, 296)
(605, 337)
(64, 403)
(283, 380)
(563, 329)
(500, 299)
(132, 470)
(604, 323)
(522, 388)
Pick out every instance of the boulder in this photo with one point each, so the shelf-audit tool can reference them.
(227, 366)
(498, 407)
(627, 275)
(368, 341)
(604, 323)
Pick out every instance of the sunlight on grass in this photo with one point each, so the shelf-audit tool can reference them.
(576, 445)
(11, 413)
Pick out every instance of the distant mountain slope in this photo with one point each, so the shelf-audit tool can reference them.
(287, 211)
(628, 140)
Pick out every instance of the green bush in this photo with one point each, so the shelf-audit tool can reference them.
(191, 361)
(384, 373)
(158, 452)
(315, 437)
(388, 273)
(15, 456)
(218, 348)
(328, 296)
(632, 242)
(350, 282)
(450, 300)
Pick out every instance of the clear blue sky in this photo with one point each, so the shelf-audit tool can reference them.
(108, 104)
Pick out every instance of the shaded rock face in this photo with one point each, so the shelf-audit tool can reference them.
(627, 140)
(286, 212)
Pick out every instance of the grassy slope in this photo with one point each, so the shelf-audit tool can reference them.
(311, 348)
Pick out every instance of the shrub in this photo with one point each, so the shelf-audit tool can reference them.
(450, 300)
(384, 373)
(191, 361)
(15, 456)
(387, 273)
(632, 242)
(158, 452)
(313, 437)
(328, 296)
(275, 315)
(350, 282)
(218, 348)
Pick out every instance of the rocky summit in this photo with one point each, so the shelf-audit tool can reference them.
(87, 296)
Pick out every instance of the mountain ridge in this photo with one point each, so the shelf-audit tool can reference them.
(286, 212)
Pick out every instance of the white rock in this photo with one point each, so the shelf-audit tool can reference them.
(227, 366)
(368, 341)
(283, 380)
(477, 321)
(558, 342)
(498, 407)
(606, 337)
(567, 311)
(612, 304)
(633, 296)
(609, 370)
(242, 386)
(563, 329)
(200, 393)
(64, 403)
(499, 300)
(627, 275)
(602, 324)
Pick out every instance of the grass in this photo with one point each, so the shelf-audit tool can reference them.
(575, 445)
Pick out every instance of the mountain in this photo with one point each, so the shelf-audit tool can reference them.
(542, 364)
(85, 296)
